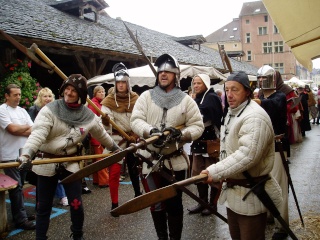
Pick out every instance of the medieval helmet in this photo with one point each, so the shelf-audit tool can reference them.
(168, 63)
(79, 82)
(121, 73)
(268, 77)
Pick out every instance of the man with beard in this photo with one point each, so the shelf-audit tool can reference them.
(211, 110)
(158, 110)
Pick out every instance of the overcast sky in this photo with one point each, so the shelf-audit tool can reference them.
(179, 18)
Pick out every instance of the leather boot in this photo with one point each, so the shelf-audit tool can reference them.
(76, 234)
(160, 224)
(203, 194)
(213, 193)
(175, 224)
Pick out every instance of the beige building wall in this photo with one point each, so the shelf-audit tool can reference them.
(283, 61)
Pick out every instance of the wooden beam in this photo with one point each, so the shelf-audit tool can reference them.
(102, 66)
(92, 67)
(82, 66)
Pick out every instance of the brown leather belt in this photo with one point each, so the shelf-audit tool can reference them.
(243, 182)
(49, 155)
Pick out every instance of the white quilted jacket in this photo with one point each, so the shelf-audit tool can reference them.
(247, 143)
(50, 134)
(147, 115)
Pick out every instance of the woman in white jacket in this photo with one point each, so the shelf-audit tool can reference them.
(247, 144)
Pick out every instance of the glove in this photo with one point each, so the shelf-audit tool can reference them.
(175, 134)
(155, 132)
(161, 140)
(105, 120)
(25, 163)
(133, 138)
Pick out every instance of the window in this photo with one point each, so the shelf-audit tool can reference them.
(278, 47)
(235, 29)
(279, 67)
(247, 21)
(231, 36)
(275, 29)
(226, 29)
(248, 37)
(235, 45)
(249, 56)
(267, 47)
(262, 31)
(266, 18)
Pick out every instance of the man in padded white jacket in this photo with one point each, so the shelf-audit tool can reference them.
(58, 131)
(247, 144)
(163, 108)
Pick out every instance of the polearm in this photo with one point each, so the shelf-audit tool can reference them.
(135, 40)
(29, 52)
(153, 197)
(286, 167)
(55, 160)
(171, 179)
(108, 161)
(64, 77)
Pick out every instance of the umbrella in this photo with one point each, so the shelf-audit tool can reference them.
(299, 24)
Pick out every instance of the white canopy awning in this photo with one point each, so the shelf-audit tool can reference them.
(295, 82)
(143, 76)
(298, 22)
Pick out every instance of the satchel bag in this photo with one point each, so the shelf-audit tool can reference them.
(213, 148)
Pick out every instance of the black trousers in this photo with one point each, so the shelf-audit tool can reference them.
(46, 190)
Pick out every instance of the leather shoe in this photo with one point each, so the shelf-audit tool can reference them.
(26, 225)
(207, 212)
(197, 209)
(103, 186)
(86, 190)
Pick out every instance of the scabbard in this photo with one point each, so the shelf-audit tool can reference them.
(264, 197)
(286, 167)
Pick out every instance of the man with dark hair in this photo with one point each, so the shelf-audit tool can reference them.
(156, 111)
(247, 150)
(15, 127)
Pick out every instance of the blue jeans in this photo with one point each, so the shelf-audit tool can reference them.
(60, 193)
(18, 211)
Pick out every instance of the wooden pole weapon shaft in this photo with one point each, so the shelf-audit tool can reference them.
(55, 160)
(37, 50)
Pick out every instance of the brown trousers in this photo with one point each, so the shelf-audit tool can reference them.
(244, 227)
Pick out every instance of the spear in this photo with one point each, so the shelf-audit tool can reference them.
(55, 160)
(116, 157)
(30, 52)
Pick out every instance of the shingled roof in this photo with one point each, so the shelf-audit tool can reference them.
(38, 20)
